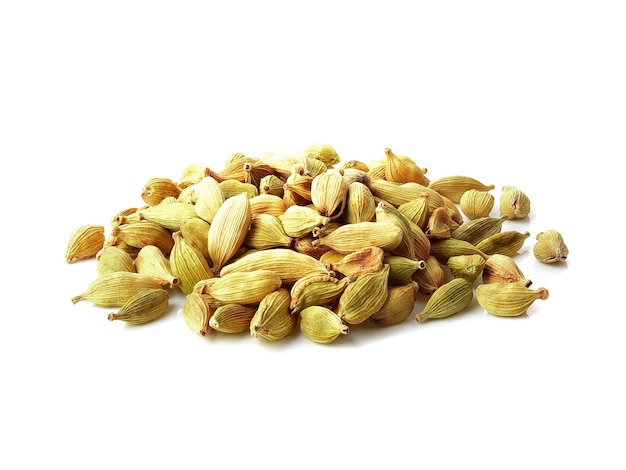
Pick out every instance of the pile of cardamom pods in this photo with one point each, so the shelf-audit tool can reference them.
(272, 244)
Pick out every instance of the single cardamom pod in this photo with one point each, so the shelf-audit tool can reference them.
(354, 175)
(232, 188)
(113, 259)
(228, 230)
(151, 261)
(322, 325)
(195, 231)
(146, 232)
(401, 268)
(316, 289)
(400, 193)
(439, 224)
(157, 189)
(272, 185)
(272, 319)
(232, 318)
(246, 288)
(356, 164)
(322, 152)
(266, 231)
(467, 267)
(550, 247)
(308, 245)
(169, 214)
(365, 260)
(353, 237)
(329, 191)
(445, 248)
(476, 230)
(197, 313)
(452, 297)
(267, 204)
(288, 264)
(192, 174)
(114, 289)
(514, 204)
(453, 187)
(454, 212)
(508, 299)
(298, 221)
(85, 242)
(476, 204)
(431, 277)
(209, 198)
(143, 307)
(421, 243)
(503, 268)
(385, 212)
(398, 306)
(504, 243)
(402, 169)
(364, 297)
(417, 210)
(360, 204)
(188, 264)
(297, 188)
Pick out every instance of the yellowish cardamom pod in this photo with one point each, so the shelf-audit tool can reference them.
(192, 174)
(398, 306)
(290, 265)
(157, 189)
(316, 289)
(271, 184)
(246, 288)
(197, 313)
(508, 299)
(514, 203)
(421, 243)
(453, 187)
(364, 297)
(550, 247)
(356, 164)
(297, 188)
(188, 264)
(232, 318)
(505, 243)
(329, 191)
(232, 188)
(272, 319)
(476, 204)
(115, 289)
(401, 268)
(417, 210)
(476, 230)
(308, 246)
(452, 297)
(444, 249)
(113, 259)
(228, 230)
(209, 198)
(146, 232)
(402, 169)
(365, 260)
(143, 307)
(503, 268)
(385, 212)
(266, 231)
(360, 204)
(85, 242)
(298, 221)
(267, 204)
(322, 325)
(322, 152)
(353, 237)
(151, 261)
(400, 193)
(467, 267)
(431, 277)
(195, 231)
(439, 224)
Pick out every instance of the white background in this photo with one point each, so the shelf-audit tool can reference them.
(98, 97)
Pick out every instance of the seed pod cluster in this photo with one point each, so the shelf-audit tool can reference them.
(273, 245)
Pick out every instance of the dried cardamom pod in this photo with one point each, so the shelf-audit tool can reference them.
(297, 188)
(452, 297)
(267, 204)
(550, 247)
(354, 175)
(188, 264)
(453, 187)
(439, 224)
(322, 325)
(431, 277)
(401, 268)
(365, 260)
(85, 242)
(417, 210)
(421, 243)
(298, 221)
(360, 204)
(308, 246)
(400, 193)
(467, 267)
(476, 204)
(151, 261)
(508, 299)
(444, 249)
(272, 185)
(402, 169)
(192, 174)
(352, 237)
(195, 231)
(385, 212)
(143, 307)
(364, 297)
(140, 234)
(322, 152)
(266, 231)
(476, 230)
(272, 319)
(288, 264)
(454, 212)
(398, 306)
(503, 268)
(197, 313)
(113, 259)
(114, 289)
(329, 191)
(356, 164)
(157, 189)
(504, 243)
(209, 198)
(246, 288)
(514, 203)
(228, 230)
(232, 318)
(231, 188)
(316, 289)
(125, 216)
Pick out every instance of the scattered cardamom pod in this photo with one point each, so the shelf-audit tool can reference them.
(452, 297)
(508, 299)
(85, 242)
(322, 325)
(550, 247)
(143, 307)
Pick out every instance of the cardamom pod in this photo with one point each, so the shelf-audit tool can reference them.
(143, 307)
(550, 247)
(476, 230)
(329, 191)
(356, 263)
(232, 318)
(113, 259)
(431, 277)
(157, 189)
(322, 152)
(402, 169)
(151, 261)
(188, 264)
(468, 267)
(453, 187)
(364, 297)
(476, 204)
(514, 203)
(146, 232)
(398, 306)
(503, 268)
(246, 288)
(316, 289)
(322, 325)
(298, 221)
(114, 289)
(504, 243)
(197, 313)
(272, 319)
(452, 297)
(360, 204)
(209, 198)
(508, 299)
(353, 237)
(85, 242)
(266, 231)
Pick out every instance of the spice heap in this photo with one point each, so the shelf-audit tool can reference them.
(273, 244)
